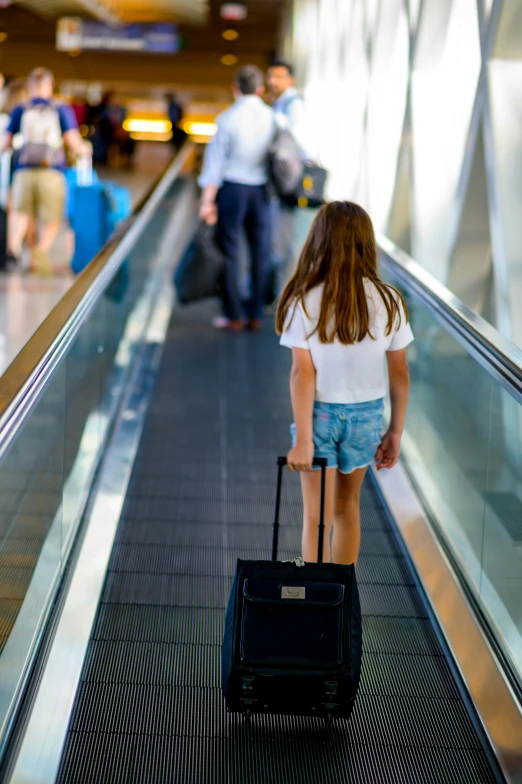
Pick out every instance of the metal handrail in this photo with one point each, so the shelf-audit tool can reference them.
(496, 353)
(25, 379)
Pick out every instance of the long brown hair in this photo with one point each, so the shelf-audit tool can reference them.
(339, 252)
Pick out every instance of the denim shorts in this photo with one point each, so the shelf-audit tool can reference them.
(347, 435)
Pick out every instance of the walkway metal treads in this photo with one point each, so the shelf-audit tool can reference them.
(149, 707)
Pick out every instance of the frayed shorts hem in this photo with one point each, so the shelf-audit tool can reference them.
(344, 473)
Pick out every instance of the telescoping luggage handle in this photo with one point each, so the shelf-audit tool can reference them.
(281, 463)
(84, 170)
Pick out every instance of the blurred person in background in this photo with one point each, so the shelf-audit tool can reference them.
(16, 92)
(80, 108)
(175, 113)
(2, 91)
(122, 144)
(45, 126)
(234, 182)
(290, 111)
(103, 135)
(3, 85)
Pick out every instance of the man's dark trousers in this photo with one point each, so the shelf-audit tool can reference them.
(244, 207)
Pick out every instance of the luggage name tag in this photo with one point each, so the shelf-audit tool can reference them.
(293, 592)
(297, 561)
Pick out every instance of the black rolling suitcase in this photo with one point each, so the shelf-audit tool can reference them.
(199, 271)
(293, 641)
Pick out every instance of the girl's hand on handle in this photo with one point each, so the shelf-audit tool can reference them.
(389, 451)
(301, 456)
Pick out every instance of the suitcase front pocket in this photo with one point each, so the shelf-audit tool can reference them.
(292, 625)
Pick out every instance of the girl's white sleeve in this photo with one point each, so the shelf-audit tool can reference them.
(402, 335)
(294, 333)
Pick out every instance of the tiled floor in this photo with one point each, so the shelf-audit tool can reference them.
(24, 304)
(26, 301)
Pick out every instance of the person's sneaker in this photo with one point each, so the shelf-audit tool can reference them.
(255, 325)
(220, 322)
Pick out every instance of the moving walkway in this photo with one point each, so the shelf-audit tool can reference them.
(137, 462)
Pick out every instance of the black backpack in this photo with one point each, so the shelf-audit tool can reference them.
(284, 163)
(311, 187)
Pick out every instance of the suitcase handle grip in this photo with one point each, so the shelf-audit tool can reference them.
(321, 463)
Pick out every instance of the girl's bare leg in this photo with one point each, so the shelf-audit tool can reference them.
(346, 539)
(311, 487)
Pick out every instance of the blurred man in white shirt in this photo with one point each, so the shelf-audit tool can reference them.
(234, 182)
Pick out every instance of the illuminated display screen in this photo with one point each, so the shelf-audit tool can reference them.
(73, 34)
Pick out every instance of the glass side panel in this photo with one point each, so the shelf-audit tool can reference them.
(46, 475)
(83, 429)
(501, 578)
(462, 448)
(31, 484)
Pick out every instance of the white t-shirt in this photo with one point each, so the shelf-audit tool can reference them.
(347, 374)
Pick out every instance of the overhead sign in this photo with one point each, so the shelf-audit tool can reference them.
(73, 34)
(235, 12)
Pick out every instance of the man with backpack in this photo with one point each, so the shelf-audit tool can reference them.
(44, 126)
(290, 111)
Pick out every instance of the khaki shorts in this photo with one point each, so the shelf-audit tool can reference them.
(39, 193)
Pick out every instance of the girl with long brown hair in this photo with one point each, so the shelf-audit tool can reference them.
(341, 322)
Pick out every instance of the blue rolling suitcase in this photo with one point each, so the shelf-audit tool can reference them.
(120, 205)
(90, 223)
(98, 210)
(73, 179)
(293, 637)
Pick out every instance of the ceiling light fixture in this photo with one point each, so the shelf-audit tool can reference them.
(229, 59)
(144, 136)
(144, 125)
(195, 128)
(235, 11)
(230, 35)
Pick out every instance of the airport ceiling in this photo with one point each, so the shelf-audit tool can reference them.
(189, 12)
(28, 39)
(186, 11)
